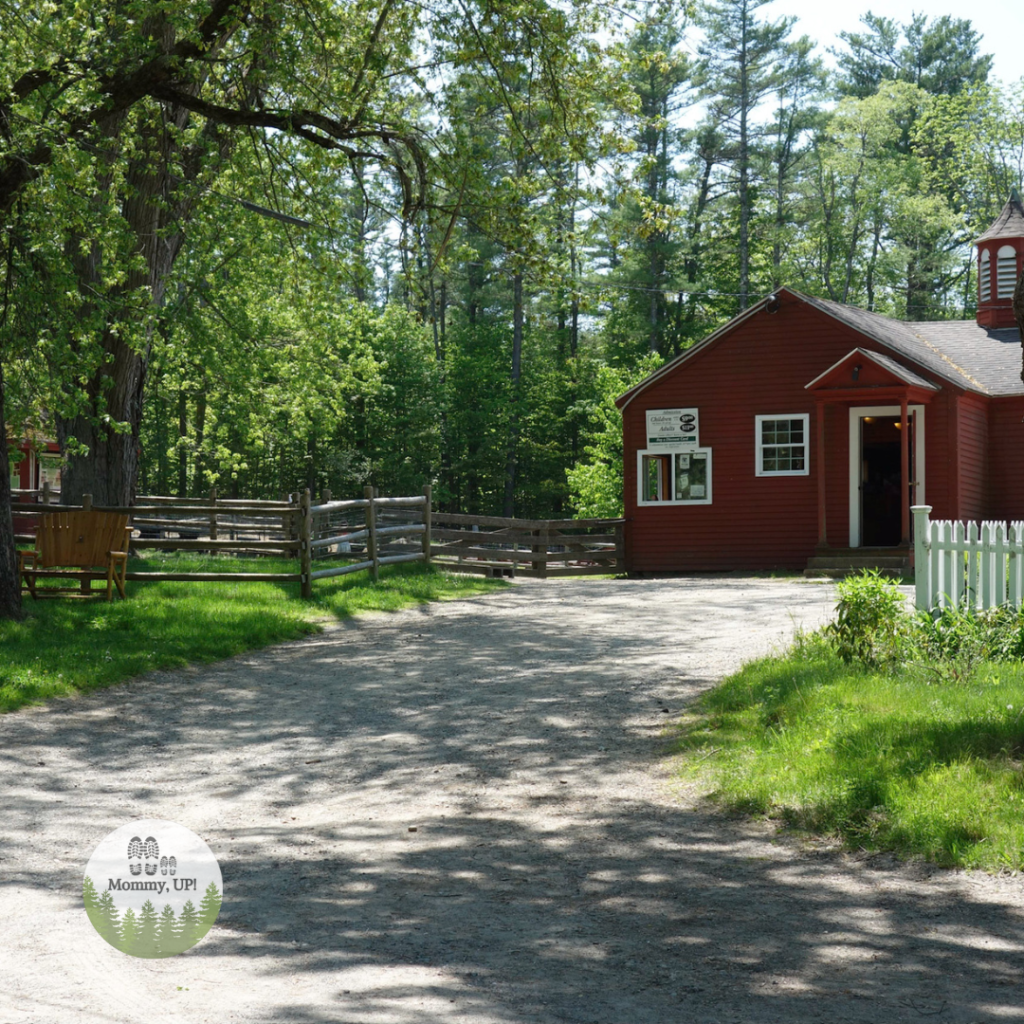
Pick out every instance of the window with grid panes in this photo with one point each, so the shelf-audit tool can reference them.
(782, 445)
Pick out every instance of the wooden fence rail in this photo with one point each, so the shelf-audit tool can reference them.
(529, 547)
(364, 533)
(977, 565)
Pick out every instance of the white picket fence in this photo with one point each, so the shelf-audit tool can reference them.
(980, 565)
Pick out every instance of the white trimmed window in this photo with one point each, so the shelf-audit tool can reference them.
(674, 478)
(1006, 272)
(984, 277)
(782, 448)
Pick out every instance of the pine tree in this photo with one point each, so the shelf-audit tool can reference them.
(129, 932)
(89, 896)
(104, 919)
(167, 933)
(209, 908)
(742, 59)
(188, 927)
(146, 933)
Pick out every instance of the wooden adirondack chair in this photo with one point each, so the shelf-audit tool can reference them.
(84, 545)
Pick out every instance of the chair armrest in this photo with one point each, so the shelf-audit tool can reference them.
(26, 556)
(118, 556)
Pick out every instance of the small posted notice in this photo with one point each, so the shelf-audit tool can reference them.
(672, 429)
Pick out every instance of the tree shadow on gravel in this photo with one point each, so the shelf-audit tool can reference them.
(526, 892)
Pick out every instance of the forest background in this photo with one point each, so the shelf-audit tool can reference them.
(274, 245)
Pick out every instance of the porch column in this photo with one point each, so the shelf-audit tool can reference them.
(819, 415)
(904, 473)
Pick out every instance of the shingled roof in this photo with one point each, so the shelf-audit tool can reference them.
(972, 357)
(1009, 223)
(975, 358)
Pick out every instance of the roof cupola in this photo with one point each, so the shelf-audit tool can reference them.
(1000, 261)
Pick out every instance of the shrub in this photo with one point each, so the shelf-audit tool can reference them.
(956, 640)
(872, 623)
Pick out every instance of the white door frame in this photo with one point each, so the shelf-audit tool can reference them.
(914, 412)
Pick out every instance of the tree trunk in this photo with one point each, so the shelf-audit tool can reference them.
(109, 471)
(199, 466)
(110, 426)
(182, 443)
(513, 416)
(744, 169)
(10, 584)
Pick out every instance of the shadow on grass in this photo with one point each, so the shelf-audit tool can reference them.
(65, 646)
(883, 761)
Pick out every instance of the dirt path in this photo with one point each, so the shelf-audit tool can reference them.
(556, 872)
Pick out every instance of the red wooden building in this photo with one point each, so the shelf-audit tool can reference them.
(799, 434)
(38, 462)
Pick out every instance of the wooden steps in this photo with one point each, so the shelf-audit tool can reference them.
(840, 562)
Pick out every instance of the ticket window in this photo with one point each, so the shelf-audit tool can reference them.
(49, 471)
(656, 475)
(675, 478)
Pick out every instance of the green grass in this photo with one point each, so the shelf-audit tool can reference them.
(914, 763)
(64, 647)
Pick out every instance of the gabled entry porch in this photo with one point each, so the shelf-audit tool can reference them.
(885, 450)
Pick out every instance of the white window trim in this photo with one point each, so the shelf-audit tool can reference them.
(855, 457)
(759, 469)
(672, 482)
(1006, 272)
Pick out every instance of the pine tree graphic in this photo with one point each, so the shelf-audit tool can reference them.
(167, 932)
(129, 933)
(89, 896)
(146, 934)
(188, 926)
(104, 919)
(209, 908)
(145, 941)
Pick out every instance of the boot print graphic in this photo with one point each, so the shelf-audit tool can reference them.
(152, 855)
(135, 855)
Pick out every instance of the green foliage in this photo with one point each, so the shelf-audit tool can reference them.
(872, 622)
(595, 485)
(873, 626)
(940, 56)
(66, 647)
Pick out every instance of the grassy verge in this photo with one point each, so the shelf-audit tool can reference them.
(64, 647)
(915, 761)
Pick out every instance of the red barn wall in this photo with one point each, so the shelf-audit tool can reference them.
(760, 368)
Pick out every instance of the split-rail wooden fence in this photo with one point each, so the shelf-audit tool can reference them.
(352, 536)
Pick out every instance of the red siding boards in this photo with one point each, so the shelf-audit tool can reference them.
(761, 367)
(1006, 446)
(972, 445)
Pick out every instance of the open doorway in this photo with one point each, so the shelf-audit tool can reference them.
(881, 487)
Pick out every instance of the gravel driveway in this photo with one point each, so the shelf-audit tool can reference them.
(463, 814)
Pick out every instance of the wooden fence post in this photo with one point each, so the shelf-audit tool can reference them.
(922, 560)
(371, 527)
(326, 500)
(213, 513)
(86, 502)
(46, 492)
(427, 515)
(305, 551)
